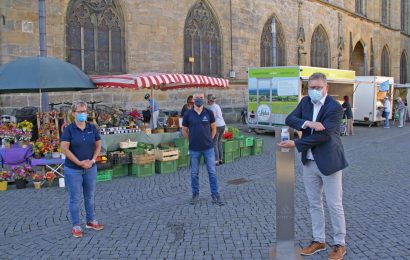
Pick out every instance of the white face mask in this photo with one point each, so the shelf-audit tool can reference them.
(315, 95)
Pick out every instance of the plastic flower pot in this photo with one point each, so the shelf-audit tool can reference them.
(37, 185)
(3, 185)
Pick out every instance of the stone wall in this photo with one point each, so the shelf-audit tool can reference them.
(154, 41)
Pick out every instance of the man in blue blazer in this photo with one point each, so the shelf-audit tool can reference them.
(318, 116)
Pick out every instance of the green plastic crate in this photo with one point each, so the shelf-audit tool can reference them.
(245, 151)
(142, 145)
(143, 170)
(104, 175)
(256, 150)
(228, 146)
(183, 151)
(241, 140)
(120, 170)
(249, 141)
(258, 142)
(236, 154)
(181, 142)
(135, 151)
(166, 167)
(183, 161)
(228, 157)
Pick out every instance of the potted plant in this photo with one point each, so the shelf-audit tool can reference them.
(50, 176)
(38, 178)
(4, 178)
(20, 174)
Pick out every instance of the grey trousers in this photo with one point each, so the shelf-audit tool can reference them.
(315, 183)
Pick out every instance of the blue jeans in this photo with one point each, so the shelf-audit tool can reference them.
(218, 143)
(77, 179)
(386, 123)
(209, 156)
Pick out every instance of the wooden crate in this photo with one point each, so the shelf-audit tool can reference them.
(166, 155)
(143, 159)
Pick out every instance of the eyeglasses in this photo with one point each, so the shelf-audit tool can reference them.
(81, 112)
(315, 87)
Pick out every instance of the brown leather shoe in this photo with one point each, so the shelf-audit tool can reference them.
(313, 248)
(337, 253)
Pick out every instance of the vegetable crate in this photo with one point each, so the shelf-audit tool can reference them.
(104, 175)
(229, 146)
(256, 150)
(248, 141)
(143, 159)
(258, 142)
(183, 161)
(166, 155)
(241, 140)
(228, 157)
(165, 166)
(181, 142)
(120, 170)
(143, 170)
(245, 151)
(135, 151)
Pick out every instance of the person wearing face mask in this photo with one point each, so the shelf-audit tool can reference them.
(318, 116)
(81, 144)
(198, 126)
(189, 105)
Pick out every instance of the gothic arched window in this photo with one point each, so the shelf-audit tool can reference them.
(95, 36)
(266, 44)
(385, 64)
(319, 49)
(385, 12)
(360, 7)
(403, 68)
(202, 42)
(404, 15)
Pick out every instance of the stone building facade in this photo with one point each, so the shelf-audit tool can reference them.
(369, 36)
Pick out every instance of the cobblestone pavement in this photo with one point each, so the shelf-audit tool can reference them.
(150, 218)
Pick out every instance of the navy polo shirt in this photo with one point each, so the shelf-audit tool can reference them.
(82, 142)
(200, 138)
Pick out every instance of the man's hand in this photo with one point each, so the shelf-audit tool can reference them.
(86, 164)
(287, 144)
(317, 126)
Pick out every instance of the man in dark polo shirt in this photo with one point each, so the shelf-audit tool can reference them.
(198, 126)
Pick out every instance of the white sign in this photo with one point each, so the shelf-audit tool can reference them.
(263, 113)
(288, 88)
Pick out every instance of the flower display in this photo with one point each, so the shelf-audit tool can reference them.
(50, 176)
(134, 114)
(37, 176)
(5, 176)
(104, 119)
(21, 171)
(25, 125)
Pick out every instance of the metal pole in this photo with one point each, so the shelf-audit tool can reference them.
(273, 25)
(43, 45)
(285, 209)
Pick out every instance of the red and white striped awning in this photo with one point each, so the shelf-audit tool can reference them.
(161, 81)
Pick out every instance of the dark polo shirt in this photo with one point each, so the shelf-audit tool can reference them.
(82, 142)
(200, 138)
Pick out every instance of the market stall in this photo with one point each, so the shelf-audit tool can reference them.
(274, 92)
(368, 98)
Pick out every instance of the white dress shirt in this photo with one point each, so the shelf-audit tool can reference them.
(316, 109)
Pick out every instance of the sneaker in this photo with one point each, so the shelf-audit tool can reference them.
(313, 248)
(77, 231)
(216, 199)
(94, 225)
(337, 253)
(195, 198)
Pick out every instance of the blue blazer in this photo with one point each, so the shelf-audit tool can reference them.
(327, 148)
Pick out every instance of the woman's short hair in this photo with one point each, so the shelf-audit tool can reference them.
(77, 105)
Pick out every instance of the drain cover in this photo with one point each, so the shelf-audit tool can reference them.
(238, 181)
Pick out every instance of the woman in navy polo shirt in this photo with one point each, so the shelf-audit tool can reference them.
(81, 144)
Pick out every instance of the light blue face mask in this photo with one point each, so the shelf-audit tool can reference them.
(315, 95)
(81, 117)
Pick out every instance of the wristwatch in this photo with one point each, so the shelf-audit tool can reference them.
(93, 160)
